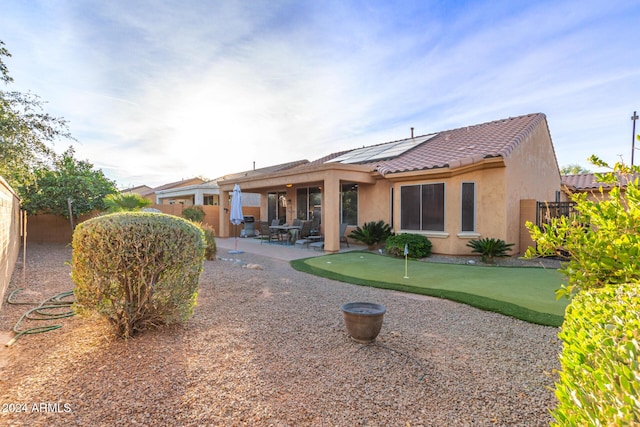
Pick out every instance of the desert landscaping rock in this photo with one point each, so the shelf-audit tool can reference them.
(268, 346)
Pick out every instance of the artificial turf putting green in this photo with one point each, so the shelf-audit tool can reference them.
(525, 293)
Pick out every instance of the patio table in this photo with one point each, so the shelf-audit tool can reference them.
(290, 229)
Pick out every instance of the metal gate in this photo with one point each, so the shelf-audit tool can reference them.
(548, 210)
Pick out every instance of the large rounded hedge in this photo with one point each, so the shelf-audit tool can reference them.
(138, 269)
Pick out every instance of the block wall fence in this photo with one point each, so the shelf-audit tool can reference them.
(56, 229)
(10, 234)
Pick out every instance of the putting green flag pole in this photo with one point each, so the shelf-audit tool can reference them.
(406, 257)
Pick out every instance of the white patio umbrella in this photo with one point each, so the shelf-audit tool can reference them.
(236, 214)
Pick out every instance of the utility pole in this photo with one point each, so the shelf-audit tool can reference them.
(633, 137)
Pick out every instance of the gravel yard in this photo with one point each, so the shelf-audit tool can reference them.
(268, 347)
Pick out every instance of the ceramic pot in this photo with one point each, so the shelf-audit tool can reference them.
(363, 320)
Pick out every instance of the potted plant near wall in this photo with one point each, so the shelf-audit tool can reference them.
(372, 233)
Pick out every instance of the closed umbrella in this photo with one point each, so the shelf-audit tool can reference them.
(236, 214)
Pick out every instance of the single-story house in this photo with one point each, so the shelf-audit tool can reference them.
(140, 190)
(205, 193)
(208, 193)
(151, 193)
(451, 186)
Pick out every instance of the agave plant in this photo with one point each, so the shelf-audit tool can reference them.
(372, 233)
(490, 248)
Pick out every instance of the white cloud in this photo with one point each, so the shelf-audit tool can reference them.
(158, 91)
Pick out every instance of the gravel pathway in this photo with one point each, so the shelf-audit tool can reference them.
(268, 347)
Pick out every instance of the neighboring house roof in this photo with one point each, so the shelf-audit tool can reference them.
(188, 189)
(206, 188)
(588, 181)
(452, 148)
(140, 189)
(181, 183)
(582, 182)
(146, 191)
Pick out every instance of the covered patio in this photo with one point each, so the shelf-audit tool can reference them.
(305, 192)
(252, 246)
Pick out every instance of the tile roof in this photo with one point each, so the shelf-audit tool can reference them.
(582, 181)
(182, 183)
(588, 181)
(459, 147)
(138, 189)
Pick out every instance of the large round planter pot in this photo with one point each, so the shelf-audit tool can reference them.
(363, 320)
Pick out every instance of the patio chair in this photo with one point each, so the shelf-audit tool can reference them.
(343, 238)
(315, 227)
(267, 233)
(304, 233)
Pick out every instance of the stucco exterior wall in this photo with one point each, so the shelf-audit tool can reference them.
(490, 213)
(374, 202)
(532, 173)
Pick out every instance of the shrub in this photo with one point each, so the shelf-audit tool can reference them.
(125, 202)
(210, 238)
(419, 246)
(372, 233)
(600, 360)
(490, 248)
(193, 213)
(137, 269)
(602, 240)
(598, 383)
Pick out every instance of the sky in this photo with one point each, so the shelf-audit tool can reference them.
(155, 91)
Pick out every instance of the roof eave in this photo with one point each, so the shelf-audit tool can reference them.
(293, 175)
(446, 171)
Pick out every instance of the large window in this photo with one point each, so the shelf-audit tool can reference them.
(422, 207)
(349, 204)
(468, 207)
(308, 203)
(277, 207)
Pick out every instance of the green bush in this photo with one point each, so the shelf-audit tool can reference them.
(490, 248)
(599, 384)
(193, 213)
(120, 202)
(602, 240)
(137, 269)
(210, 238)
(418, 246)
(372, 233)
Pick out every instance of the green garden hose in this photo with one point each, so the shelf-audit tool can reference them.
(53, 308)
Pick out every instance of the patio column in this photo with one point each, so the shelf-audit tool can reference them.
(223, 217)
(198, 197)
(331, 214)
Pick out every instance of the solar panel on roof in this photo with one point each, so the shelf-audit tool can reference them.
(382, 151)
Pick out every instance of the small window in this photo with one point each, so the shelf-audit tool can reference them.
(468, 206)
